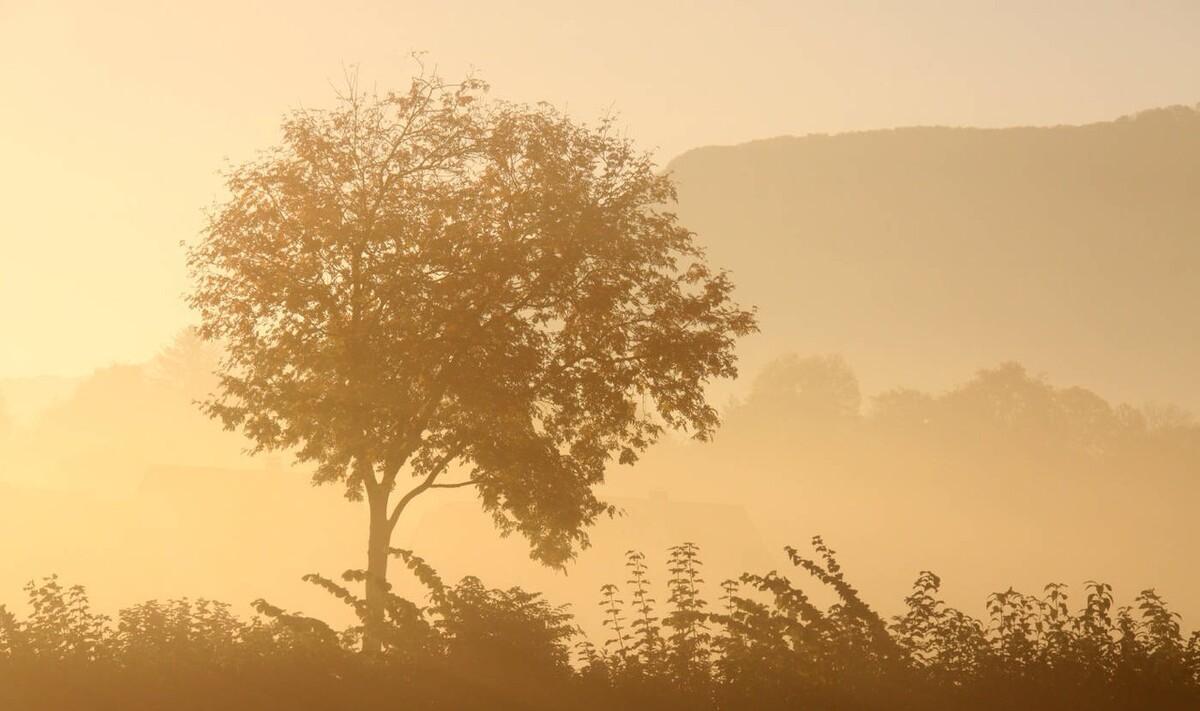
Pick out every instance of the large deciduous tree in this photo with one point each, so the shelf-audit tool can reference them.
(428, 280)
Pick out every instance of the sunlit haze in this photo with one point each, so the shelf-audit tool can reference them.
(586, 356)
(130, 108)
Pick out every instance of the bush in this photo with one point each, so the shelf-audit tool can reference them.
(765, 645)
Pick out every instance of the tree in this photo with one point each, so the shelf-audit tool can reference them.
(813, 389)
(428, 280)
(187, 365)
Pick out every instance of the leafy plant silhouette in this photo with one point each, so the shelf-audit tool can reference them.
(766, 645)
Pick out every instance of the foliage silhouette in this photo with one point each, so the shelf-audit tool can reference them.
(423, 280)
(766, 646)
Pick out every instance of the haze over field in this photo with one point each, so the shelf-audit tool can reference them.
(971, 237)
(917, 254)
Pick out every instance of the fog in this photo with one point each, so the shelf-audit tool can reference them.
(920, 281)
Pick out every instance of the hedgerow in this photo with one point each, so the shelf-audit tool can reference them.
(764, 644)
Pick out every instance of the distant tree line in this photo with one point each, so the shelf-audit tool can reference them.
(765, 644)
(1007, 402)
(808, 414)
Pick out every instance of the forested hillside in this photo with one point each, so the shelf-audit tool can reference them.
(922, 253)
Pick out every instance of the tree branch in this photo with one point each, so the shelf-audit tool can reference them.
(455, 485)
(416, 425)
(428, 483)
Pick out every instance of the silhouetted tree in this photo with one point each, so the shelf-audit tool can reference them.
(424, 279)
(812, 390)
(188, 364)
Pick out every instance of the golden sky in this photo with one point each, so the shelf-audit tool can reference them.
(116, 117)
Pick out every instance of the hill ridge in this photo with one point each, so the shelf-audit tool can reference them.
(928, 250)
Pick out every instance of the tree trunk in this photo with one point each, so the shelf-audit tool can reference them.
(378, 545)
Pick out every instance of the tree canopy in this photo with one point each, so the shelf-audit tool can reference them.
(428, 279)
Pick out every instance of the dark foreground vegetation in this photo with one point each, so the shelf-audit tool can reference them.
(765, 644)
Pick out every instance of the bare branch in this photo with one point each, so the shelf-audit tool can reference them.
(455, 485)
(428, 483)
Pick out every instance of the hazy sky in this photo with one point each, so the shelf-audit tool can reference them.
(115, 117)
